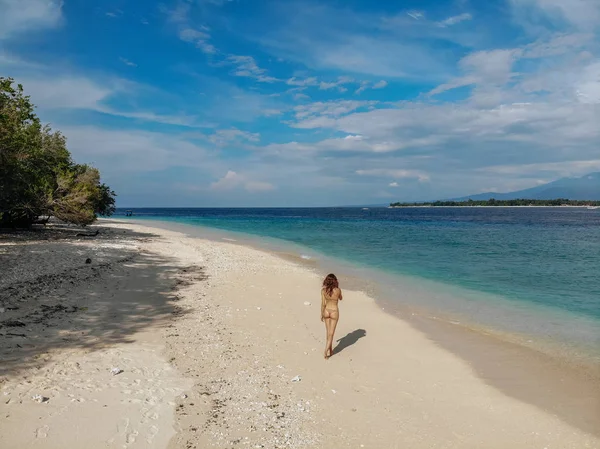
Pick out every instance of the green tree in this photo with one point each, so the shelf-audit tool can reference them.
(37, 175)
(80, 196)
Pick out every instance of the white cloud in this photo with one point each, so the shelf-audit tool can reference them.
(246, 66)
(179, 14)
(66, 92)
(128, 62)
(230, 181)
(224, 137)
(270, 112)
(417, 15)
(558, 126)
(233, 180)
(258, 186)
(336, 84)
(114, 14)
(394, 173)
(53, 92)
(353, 137)
(333, 108)
(198, 38)
(588, 87)
(350, 143)
(10, 61)
(551, 169)
(230, 103)
(21, 16)
(556, 45)
(371, 55)
(191, 35)
(363, 86)
(311, 81)
(118, 152)
(492, 65)
(125, 157)
(300, 96)
(326, 86)
(455, 19)
(583, 14)
(188, 32)
(179, 120)
(343, 40)
(483, 67)
(393, 184)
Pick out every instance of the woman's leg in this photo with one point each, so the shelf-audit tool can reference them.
(333, 320)
(327, 326)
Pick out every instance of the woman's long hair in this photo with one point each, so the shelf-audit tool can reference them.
(330, 283)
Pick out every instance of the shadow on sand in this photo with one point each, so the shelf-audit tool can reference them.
(79, 304)
(349, 340)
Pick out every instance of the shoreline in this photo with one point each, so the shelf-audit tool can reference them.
(240, 331)
(390, 291)
(549, 380)
(569, 392)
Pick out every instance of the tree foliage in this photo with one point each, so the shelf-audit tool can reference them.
(37, 174)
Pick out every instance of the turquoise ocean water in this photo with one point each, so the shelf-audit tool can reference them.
(533, 273)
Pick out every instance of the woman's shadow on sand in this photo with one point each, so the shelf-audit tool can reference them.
(349, 340)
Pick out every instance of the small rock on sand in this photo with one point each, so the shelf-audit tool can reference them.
(306, 303)
(296, 379)
(116, 371)
(39, 398)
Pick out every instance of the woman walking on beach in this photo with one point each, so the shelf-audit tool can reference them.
(330, 314)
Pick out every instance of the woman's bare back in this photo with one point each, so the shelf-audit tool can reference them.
(331, 302)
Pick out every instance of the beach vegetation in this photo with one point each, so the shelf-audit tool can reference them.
(38, 177)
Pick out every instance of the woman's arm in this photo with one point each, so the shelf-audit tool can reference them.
(340, 297)
(322, 304)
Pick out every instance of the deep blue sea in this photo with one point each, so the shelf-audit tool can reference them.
(522, 270)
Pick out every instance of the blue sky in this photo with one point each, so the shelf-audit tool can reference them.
(299, 103)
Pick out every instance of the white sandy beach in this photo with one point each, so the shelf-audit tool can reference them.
(209, 336)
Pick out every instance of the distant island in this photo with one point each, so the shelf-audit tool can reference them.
(493, 202)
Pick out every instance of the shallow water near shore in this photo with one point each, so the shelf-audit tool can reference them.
(527, 276)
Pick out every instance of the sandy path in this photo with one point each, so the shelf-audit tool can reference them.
(238, 329)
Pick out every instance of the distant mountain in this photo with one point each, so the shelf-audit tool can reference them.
(585, 188)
